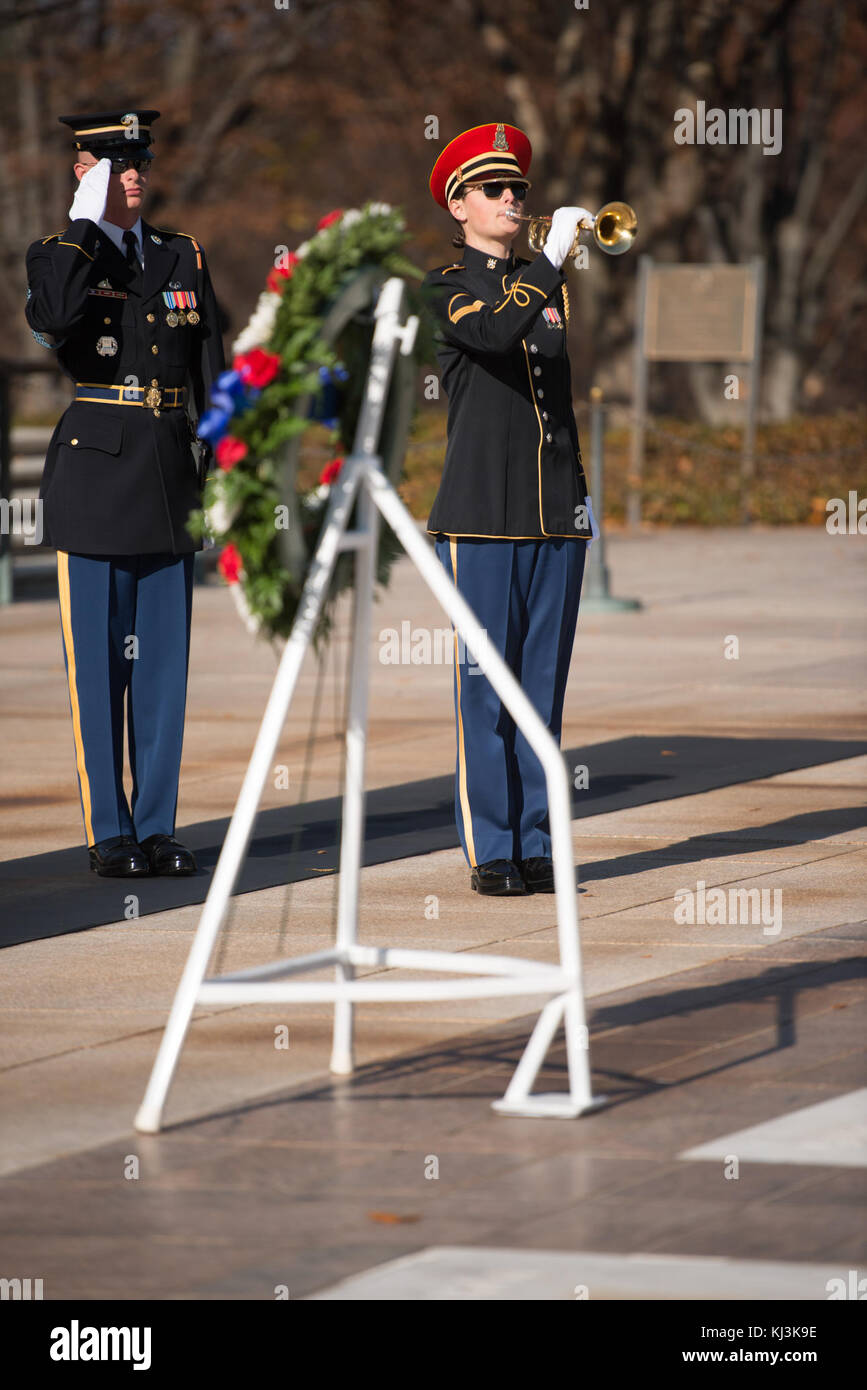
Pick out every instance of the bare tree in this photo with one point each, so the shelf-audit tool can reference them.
(271, 116)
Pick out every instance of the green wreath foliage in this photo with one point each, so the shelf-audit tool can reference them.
(295, 367)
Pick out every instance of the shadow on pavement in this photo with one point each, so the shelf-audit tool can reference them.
(718, 844)
(48, 895)
(486, 1062)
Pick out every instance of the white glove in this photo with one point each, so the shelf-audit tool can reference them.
(564, 225)
(91, 195)
(594, 526)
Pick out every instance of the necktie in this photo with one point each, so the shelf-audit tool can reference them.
(132, 259)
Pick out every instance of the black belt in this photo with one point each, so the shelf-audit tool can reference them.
(152, 397)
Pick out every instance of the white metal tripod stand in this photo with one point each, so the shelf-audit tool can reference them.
(495, 975)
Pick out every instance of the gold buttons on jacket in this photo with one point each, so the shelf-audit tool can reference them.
(152, 318)
(154, 348)
(73, 441)
(106, 320)
(537, 371)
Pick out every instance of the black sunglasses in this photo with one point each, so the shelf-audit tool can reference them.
(119, 166)
(496, 190)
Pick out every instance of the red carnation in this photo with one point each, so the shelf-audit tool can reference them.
(257, 367)
(277, 277)
(230, 564)
(329, 217)
(330, 471)
(230, 451)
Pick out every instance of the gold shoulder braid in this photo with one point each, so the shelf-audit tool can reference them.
(565, 301)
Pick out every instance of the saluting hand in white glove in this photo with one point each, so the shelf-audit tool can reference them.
(564, 225)
(91, 195)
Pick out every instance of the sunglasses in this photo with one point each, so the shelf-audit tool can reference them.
(141, 166)
(496, 190)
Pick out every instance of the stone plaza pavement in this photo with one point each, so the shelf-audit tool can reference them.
(712, 1041)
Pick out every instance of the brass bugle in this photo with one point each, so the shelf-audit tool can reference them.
(614, 229)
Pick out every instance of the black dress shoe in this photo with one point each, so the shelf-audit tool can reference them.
(118, 857)
(498, 877)
(538, 874)
(167, 856)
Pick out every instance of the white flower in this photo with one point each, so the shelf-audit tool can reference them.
(350, 218)
(220, 516)
(261, 324)
(379, 209)
(302, 250)
(315, 500)
(251, 621)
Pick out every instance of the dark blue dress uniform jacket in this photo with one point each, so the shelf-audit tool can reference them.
(122, 479)
(513, 463)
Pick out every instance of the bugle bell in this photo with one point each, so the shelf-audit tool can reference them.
(614, 229)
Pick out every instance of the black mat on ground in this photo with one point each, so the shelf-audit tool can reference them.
(48, 895)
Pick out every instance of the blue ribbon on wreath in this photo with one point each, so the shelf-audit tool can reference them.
(230, 396)
(325, 405)
(213, 424)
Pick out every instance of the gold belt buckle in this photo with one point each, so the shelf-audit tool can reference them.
(153, 397)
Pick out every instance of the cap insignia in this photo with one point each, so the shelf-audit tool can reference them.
(500, 141)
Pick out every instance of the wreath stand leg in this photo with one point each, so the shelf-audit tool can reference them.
(487, 975)
(352, 835)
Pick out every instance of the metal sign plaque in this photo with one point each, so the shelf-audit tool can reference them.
(700, 313)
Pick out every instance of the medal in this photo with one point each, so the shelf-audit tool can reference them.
(182, 306)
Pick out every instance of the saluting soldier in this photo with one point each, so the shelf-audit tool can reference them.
(131, 314)
(512, 517)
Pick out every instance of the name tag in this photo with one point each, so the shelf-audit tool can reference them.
(109, 294)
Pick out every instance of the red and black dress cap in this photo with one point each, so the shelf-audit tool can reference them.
(481, 155)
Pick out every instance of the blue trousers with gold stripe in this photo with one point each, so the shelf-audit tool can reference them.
(126, 642)
(525, 594)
